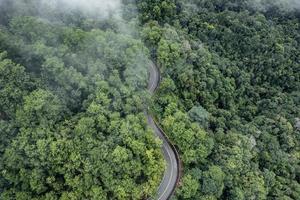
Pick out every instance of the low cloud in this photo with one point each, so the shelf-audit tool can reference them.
(265, 5)
(91, 8)
(94, 8)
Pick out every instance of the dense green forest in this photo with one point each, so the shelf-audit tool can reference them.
(230, 95)
(73, 94)
(71, 100)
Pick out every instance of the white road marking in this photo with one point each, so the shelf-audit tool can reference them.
(152, 86)
(163, 178)
(169, 182)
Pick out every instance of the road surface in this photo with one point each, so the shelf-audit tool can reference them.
(171, 174)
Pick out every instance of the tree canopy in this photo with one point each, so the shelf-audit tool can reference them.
(73, 95)
(229, 97)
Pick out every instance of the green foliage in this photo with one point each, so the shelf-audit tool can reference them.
(190, 187)
(71, 111)
(200, 115)
(213, 181)
(234, 71)
(168, 53)
(40, 108)
(14, 82)
(162, 11)
(72, 96)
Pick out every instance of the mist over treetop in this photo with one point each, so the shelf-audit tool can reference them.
(55, 9)
(96, 8)
(285, 5)
(73, 95)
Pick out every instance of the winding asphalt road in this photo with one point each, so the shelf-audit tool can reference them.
(171, 174)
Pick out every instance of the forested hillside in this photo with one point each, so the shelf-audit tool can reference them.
(73, 79)
(72, 96)
(230, 94)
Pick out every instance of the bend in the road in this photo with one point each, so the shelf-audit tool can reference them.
(171, 175)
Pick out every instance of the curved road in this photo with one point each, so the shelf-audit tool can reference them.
(171, 174)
